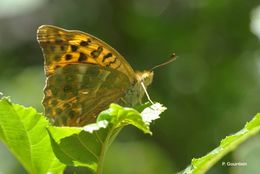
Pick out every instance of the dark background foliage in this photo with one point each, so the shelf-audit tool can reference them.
(211, 90)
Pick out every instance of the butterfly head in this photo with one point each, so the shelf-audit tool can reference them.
(146, 77)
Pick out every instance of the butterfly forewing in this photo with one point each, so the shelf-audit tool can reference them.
(62, 47)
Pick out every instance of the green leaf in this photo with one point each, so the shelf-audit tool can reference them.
(201, 165)
(86, 146)
(23, 131)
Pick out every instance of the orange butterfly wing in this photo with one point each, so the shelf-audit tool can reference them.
(84, 75)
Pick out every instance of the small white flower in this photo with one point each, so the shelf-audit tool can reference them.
(151, 113)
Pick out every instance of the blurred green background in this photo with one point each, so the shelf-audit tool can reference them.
(211, 90)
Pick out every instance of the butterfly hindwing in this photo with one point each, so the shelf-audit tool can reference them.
(75, 94)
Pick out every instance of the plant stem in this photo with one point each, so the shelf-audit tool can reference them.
(101, 159)
(110, 137)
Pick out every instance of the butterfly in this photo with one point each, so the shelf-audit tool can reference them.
(84, 75)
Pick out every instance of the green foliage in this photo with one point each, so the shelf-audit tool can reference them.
(92, 141)
(26, 134)
(201, 165)
(23, 131)
(43, 148)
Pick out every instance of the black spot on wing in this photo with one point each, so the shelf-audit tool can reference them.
(82, 57)
(112, 62)
(106, 56)
(68, 57)
(96, 52)
(85, 43)
(74, 48)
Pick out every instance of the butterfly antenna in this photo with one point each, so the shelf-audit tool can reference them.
(146, 93)
(173, 58)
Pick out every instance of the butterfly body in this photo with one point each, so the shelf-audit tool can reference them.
(85, 75)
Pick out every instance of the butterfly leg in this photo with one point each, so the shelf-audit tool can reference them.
(123, 101)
